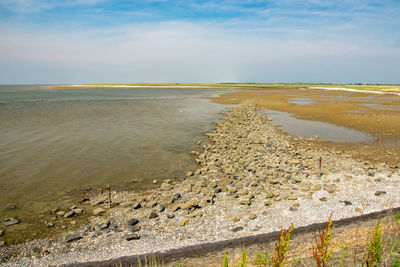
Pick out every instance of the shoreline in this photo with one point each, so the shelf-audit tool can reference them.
(247, 174)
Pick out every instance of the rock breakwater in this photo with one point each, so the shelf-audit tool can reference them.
(251, 178)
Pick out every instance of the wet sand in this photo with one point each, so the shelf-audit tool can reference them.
(377, 115)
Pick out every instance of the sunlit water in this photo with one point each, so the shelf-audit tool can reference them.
(323, 130)
(55, 140)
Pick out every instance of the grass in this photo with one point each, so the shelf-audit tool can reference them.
(377, 250)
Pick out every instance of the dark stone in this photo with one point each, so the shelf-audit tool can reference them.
(293, 209)
(85, 200)
(72, 237)
(153, 215)
(12, 222)
(2, 232)
(133, 222)
(380, 193)
(323, 199)
(348, 203)
(104, 225)
(88, 188)
(134, 228)
(130, 237)
(237, 229)
(170, 216)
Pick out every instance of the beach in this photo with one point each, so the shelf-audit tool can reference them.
(248, 174)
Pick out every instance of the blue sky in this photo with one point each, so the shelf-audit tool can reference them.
(110, 41)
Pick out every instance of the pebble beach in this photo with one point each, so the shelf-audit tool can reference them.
(251, 179)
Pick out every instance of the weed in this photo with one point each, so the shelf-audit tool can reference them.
(244, 260)
(397, 217)
(322, 251)
(374, 248)
(225, 261)
(262, 258)
(297, 261)
(281, 247)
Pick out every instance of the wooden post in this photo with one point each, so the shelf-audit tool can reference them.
(320, 163)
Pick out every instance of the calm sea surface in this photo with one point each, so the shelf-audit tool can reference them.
(55, 140)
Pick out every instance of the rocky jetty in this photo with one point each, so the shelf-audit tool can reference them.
(251, 178)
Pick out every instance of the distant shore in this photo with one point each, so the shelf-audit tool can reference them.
(380, 89)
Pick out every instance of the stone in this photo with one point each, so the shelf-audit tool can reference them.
(184, 222)
(98, 211)
(2, 232)
(188, 174)
(72, 237)
(316, 187)
(12, 222)
(69, 214)
(133, 236)
(48, 224)
(237, 229)
(252, 216)
(358, 210)
(2, 243)
(160, 208)
(189, 205)
(165, 187)
(331, 188)
(380, 193)
(134, 228)
(176, 196)
(324, 199)
(268, 202)
(133, 222)
(104, 224)
(293, 209)
(153, 215)
(170, 216)
(155, 181)
(244, 201)
(136, 205)
(60, 213)
(365, 203)
(269, 194)
(296, 205)
(348, 203)
(78, 211)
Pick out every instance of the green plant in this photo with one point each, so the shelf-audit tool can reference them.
(297, 261)
(374, 248)
(244, 260)
(179, 265)
(321, 252)
(225, 261)
(281, 247)
(262, 258)
(397, 217)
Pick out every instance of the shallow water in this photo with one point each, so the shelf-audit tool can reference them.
(323, 130)
(54, 140)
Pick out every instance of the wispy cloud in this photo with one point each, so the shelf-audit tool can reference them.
(145, 41)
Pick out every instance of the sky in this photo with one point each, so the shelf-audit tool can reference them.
(131, 41)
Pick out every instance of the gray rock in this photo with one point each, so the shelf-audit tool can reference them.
(380, 193)
(237, 229)
(133, 236)
(170, 216)
(134, 228)
(293, 209)
(160, 208)
(133, 222)
(72, 237)
(153, 215)
(49, 224)
(176, 196)
(348, 203)
(12, 222)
